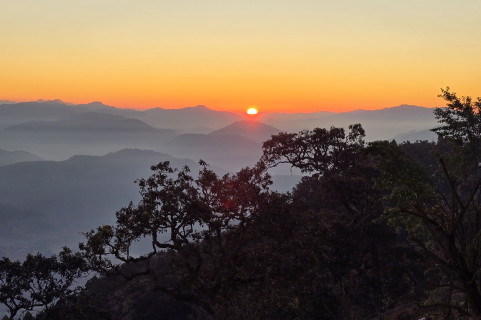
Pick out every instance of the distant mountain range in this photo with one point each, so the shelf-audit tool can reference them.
(102, 122)
(56, 131)
(379, 124)
(197, 119)
(46, 204)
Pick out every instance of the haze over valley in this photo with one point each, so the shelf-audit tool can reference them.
(65, 169)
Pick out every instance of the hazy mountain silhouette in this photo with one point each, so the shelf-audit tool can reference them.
(55, 130)
(46, 204)
(253, 130)
(199, 119)
(87, 122)
(6, 102)
(293, 122)
(379, 124)
(11, 157)
(86, 133)
(11, 114)
(229, 151)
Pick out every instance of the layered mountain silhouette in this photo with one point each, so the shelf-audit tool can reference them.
(46, 204)
(379, 124)
(11, 157)
(87, 122)
(229, 151)
(199, 119)
(231, 147)
(11, 114)
(254, 130)
(91, 133)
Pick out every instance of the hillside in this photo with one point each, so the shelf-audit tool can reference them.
(229, 151)
(87, 122)
(86, 133)
(46, 204)
(11, 157)
(250, 129)
(379, 124)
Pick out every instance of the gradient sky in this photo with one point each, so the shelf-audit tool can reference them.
(280, 55)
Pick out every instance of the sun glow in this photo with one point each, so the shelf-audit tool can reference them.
(252, 111)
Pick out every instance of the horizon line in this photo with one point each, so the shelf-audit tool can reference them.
(60, 101)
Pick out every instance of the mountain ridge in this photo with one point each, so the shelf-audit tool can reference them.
(251, 129)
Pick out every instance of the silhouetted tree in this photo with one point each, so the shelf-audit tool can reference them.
(438, 200)
(360, 257)
(39, 281)
(13, 285)
(319, 151)
(205, 219)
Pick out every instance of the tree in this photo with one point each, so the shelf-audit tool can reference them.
(461, 121)
(360, 257)
(13, 285)
(197, 225)
(438, 200)
(168, 205)
(39, 281)
(319, 151)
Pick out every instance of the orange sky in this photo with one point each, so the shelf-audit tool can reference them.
(291, 56)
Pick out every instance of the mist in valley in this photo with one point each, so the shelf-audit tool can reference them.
(65, 169)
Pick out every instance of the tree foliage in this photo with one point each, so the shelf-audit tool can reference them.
(39, 281)
(460, 119)
(320, 150)
(437, 198)
(189, 220)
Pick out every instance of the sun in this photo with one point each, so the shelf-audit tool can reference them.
(252, 111)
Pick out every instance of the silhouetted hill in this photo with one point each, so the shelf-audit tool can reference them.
(199, 119)
(10, 157)
(55, 130)
(88, 122)
(11, 114)
(228, 151)
(86, 133)
(379, 124)
(46, 204)
(253, 130)
(98, 106)
(6, 102)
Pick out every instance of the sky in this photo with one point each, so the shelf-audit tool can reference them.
(279, 55)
